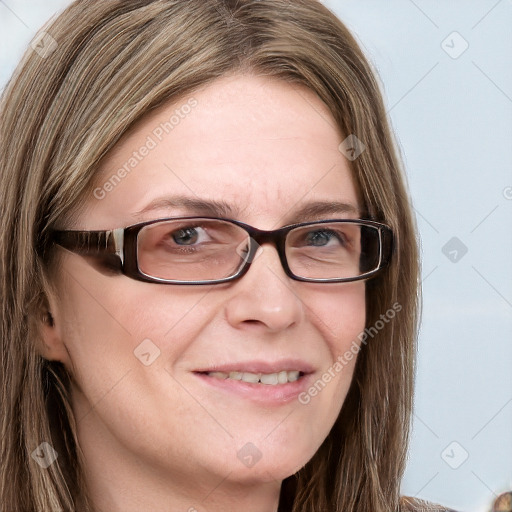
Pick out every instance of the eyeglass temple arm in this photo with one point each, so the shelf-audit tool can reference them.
(92, 242)
(387, 245)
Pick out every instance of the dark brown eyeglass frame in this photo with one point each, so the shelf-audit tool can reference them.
(120, 247)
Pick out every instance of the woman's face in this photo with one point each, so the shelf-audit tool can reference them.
(139, 352)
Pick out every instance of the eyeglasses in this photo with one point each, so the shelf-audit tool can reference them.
(208, 250)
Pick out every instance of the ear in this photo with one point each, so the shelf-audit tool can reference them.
(48, 322)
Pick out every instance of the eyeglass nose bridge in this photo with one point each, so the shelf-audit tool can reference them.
(259, 237)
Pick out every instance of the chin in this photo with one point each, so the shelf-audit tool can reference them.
(266, 462)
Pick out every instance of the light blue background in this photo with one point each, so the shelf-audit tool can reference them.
(453, 119)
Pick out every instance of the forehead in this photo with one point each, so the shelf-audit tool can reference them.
(263, 147)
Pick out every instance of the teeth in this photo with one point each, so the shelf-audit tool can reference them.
(271, 379)
(251, 377)
(218, 375)
(282, 377)
(293, 376)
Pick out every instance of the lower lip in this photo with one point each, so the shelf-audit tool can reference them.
(263, 393)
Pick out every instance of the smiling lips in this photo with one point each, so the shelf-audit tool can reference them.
(275, 373)
(263, 382)
(272, 379)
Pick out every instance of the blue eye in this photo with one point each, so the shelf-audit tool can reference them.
(321, 238)
(185, 236)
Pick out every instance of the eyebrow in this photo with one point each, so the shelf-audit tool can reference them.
(216, 208)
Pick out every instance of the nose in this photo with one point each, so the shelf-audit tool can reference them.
(265, 295)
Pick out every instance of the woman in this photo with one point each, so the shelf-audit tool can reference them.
(165, 344)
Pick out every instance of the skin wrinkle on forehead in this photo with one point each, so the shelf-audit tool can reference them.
(218, 208)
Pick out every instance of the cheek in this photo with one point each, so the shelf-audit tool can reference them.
(340, 315)
(124, 327)
(122, 341)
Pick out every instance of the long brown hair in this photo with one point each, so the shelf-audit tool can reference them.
(106, 64)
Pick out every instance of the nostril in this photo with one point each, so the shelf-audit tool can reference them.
(252, 322)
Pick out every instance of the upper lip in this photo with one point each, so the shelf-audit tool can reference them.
(260, 366)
